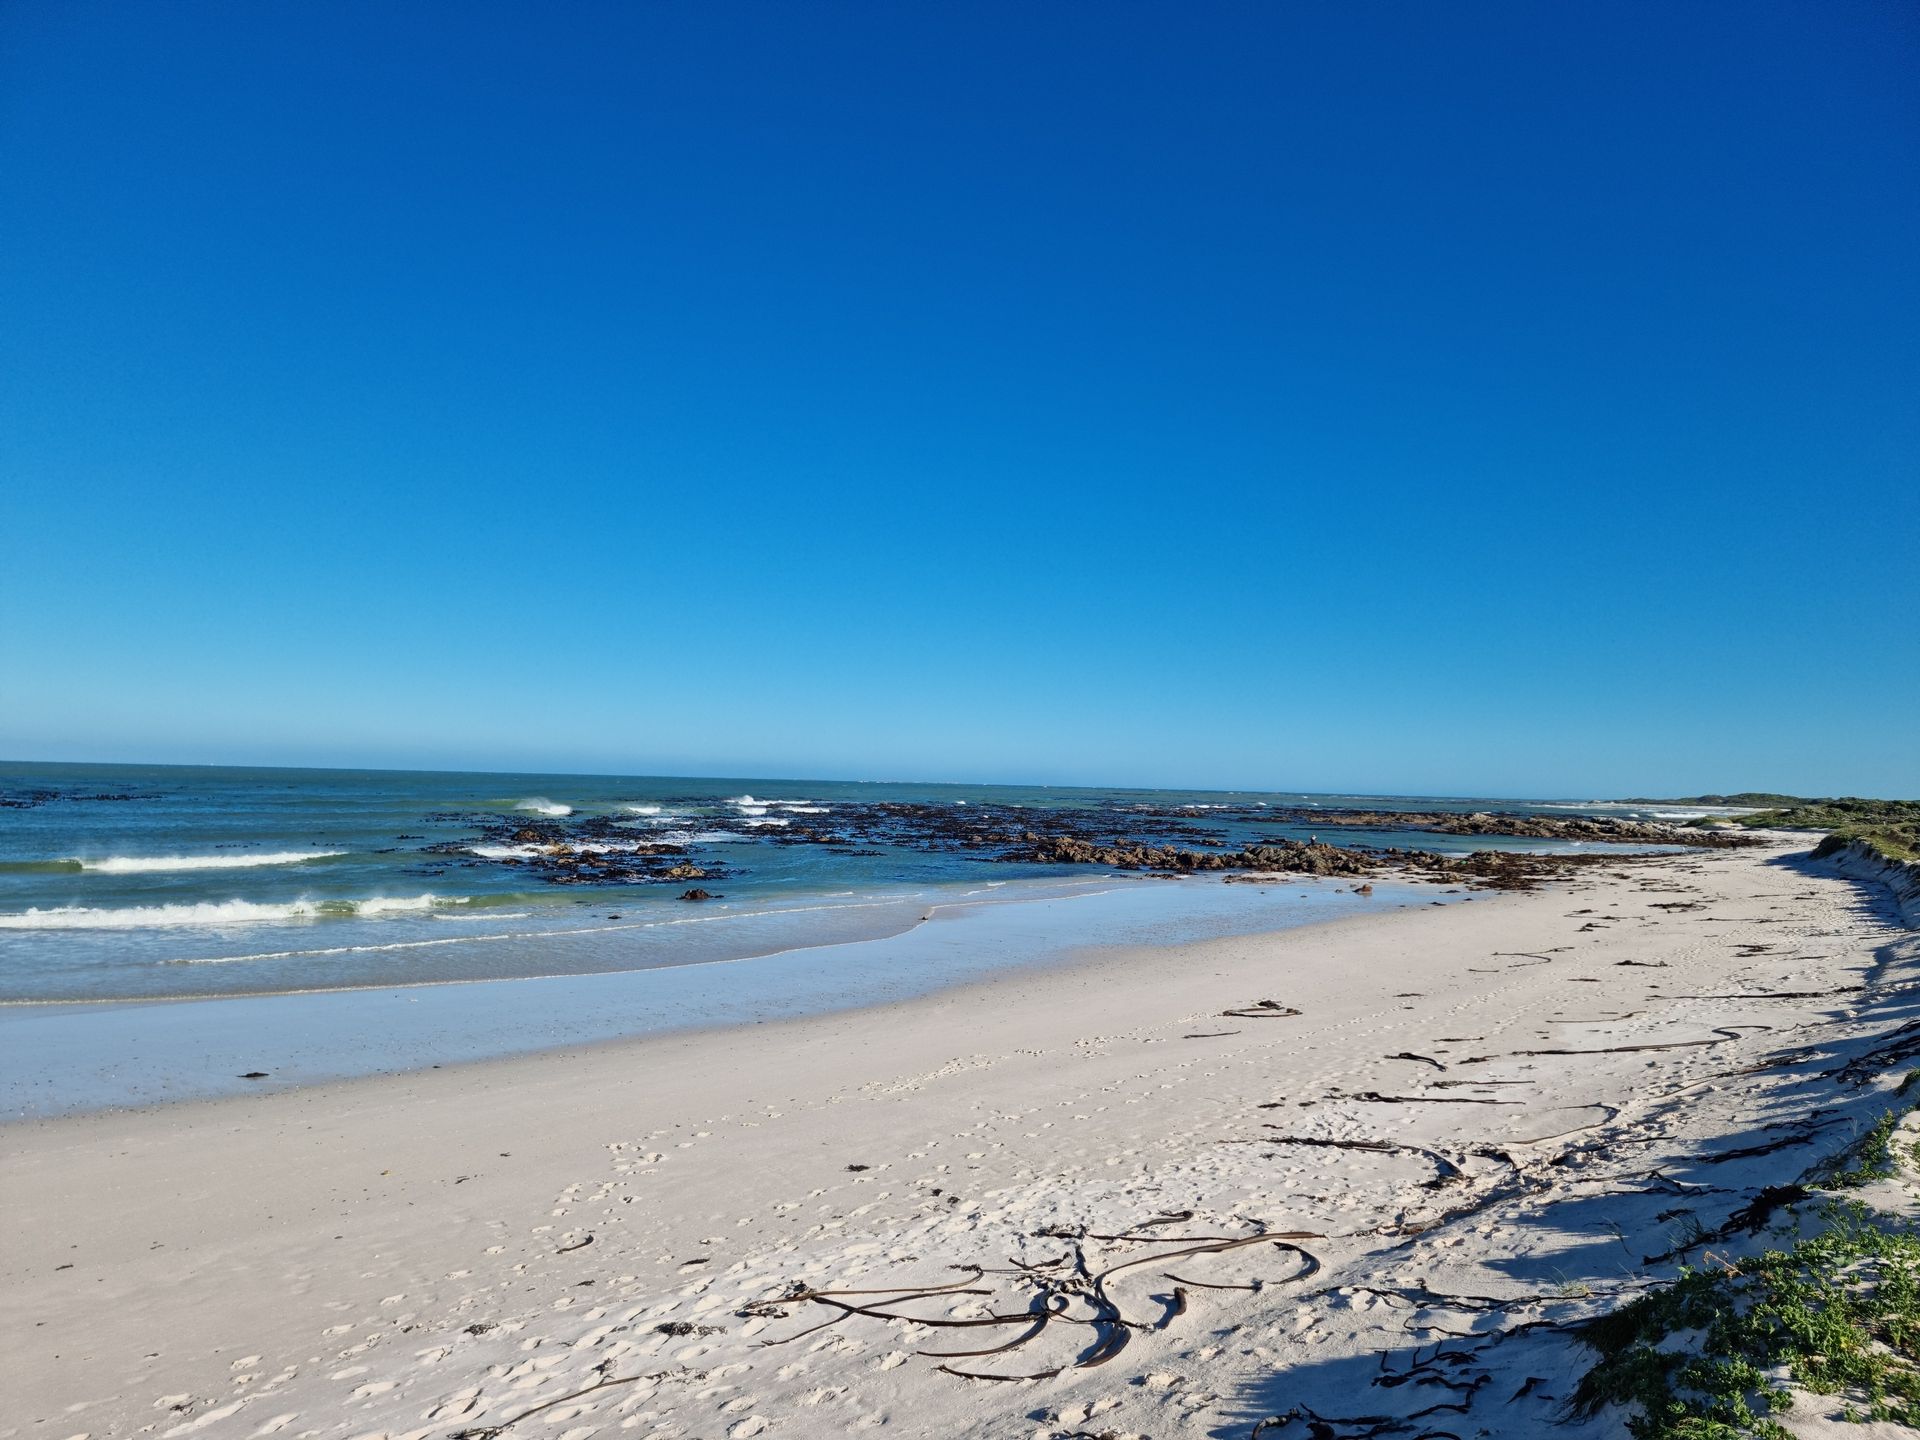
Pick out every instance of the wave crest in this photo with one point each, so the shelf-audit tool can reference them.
(147, 864)
(217, 912)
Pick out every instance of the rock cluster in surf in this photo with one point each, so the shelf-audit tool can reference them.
(1166, 840)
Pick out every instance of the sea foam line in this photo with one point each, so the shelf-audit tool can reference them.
(876, 903)
(145, 864)
(215, 912)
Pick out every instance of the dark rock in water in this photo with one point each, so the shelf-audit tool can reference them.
(1162, 841)
(696, 893)
(1291, 856)
(253, 1075)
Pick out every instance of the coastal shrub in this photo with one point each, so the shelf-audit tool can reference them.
(1711, 1356)
(1891, 827)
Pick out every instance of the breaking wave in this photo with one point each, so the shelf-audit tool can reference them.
(216, 912)
(540, 805)
(145, 864)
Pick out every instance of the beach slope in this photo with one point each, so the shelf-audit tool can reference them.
(1191, 1189)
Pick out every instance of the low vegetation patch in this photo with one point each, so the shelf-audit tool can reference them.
(1717, 1354)
(1891, 827)
(1713, 1356)
(1867, 1159)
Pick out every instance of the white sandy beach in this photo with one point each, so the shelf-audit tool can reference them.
(583, 1243)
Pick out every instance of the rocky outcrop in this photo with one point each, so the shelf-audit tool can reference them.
(1295, 857)
(1167, 841)
(1858, 860)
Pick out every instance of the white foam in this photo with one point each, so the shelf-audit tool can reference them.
(761, 824)
(795, 807)
(240, 860)
(386, 904)
(540, 805)
(215, 912)
(641, 809)
(724, 913)
(565, 847)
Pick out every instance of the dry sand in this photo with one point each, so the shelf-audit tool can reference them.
(450, 1251)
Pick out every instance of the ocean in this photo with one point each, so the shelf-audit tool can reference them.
(156, 882)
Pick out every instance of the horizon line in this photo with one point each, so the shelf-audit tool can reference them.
(844, 780)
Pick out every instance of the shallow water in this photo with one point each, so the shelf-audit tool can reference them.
(59, 1058)
(123, 882)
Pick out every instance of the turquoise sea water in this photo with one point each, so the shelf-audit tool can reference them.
(121, 882)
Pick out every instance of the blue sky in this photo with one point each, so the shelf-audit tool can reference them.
(1469, 399)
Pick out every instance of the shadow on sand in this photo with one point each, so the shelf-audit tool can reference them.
(1467, 1368)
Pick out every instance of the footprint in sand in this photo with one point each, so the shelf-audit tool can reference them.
(464, 1403)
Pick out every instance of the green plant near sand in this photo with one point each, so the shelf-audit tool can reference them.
(1891, 827)
(1714, 1355)
(1837, 1313)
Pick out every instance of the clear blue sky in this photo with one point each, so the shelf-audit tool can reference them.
(1432, 398)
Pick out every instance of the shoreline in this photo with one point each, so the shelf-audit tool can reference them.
(501, 1234)
(176, 1051)
(253, 882)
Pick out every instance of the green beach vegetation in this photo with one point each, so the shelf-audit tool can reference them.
(1835, 1312)
(1891, 827)
(1832, 1306)
(1718, 1353)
